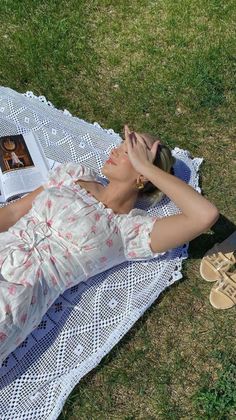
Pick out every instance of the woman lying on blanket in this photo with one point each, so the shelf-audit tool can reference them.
(73, 227)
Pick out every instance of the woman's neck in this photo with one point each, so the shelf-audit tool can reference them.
(119, 199)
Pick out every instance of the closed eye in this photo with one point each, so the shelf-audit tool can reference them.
(123, 142)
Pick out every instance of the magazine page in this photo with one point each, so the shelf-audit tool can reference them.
(2, 197)
(23, 164)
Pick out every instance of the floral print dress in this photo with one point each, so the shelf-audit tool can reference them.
(65, 238)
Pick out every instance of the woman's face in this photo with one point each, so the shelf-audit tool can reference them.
(118, 166)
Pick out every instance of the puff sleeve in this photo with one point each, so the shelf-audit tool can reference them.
(136, 238)
(67, 173)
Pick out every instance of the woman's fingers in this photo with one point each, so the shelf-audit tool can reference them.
(155, 146)
(139, 138)
(127, 132)
(134, 138)
(129, 135)
(126, 128)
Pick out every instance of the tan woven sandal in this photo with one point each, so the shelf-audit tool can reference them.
(223, 293)
(219, 259)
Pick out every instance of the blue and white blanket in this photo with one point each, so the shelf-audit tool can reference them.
(88, 320)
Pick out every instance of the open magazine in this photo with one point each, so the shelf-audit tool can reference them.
(23, 165)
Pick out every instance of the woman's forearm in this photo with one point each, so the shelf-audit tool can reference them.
(189, 201)
(11, 213)
(6, 218)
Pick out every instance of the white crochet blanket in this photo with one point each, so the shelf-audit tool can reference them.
(86, 322)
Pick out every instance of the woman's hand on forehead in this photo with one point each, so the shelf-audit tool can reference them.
(133, 140)
(135, 135)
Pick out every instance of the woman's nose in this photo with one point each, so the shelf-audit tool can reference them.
(115, 151)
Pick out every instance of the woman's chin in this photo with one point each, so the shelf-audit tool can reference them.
(105, 166)
(104, 169)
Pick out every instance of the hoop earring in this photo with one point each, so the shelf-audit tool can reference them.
(139, 185)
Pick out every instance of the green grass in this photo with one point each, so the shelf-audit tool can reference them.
(217, 398)
(168, 68)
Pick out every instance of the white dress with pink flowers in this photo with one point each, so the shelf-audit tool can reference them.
(66, 237)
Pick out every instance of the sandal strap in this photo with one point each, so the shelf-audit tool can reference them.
(227, 285)
(217, 252)
(218, 263)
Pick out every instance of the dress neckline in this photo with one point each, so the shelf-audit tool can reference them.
(100, 203)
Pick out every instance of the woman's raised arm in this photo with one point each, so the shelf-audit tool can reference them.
(198, 214)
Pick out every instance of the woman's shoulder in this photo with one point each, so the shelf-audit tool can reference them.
(68, 172)
(75, 167)
(136, 229)
(76, 170)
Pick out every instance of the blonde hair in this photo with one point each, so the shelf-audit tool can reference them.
(163, 160)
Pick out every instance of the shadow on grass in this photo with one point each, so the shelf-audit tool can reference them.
(221, 230)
